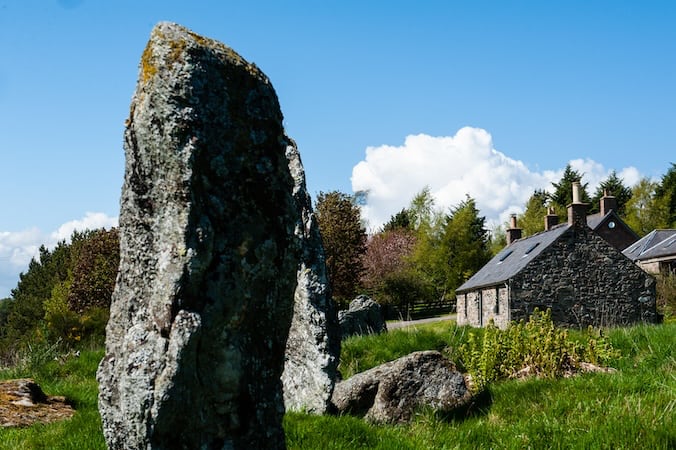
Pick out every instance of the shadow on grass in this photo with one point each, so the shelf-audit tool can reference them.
(477, 407)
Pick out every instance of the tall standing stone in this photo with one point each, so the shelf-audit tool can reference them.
(211, 239)
(313, 347)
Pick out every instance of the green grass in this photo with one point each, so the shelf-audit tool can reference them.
(634, 408)
(74, 379)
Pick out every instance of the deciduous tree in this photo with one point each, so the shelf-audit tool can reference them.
(344, 239)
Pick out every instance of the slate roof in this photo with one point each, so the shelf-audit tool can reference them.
(656, 244)
(513, 258)
(595, 220)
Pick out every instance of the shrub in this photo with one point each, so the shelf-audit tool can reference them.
(666, 295)
(536, 347)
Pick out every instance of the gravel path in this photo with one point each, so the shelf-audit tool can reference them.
(410, 323)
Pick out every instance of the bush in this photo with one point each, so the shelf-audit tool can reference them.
(536, 347)
(666, 295)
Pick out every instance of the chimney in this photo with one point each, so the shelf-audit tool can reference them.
(551, 219)
(577, 211)
(513, 233)
(608, 203)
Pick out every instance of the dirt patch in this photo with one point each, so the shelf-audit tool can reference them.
(23, 403)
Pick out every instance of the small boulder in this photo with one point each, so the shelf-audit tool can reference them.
(23, 403)
(392, 392)
(364, 316)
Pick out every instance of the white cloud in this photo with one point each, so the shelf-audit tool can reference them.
(455, 166)
(91, 221)
(18, 248)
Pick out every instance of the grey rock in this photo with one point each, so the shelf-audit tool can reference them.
(363, 316)
(313, 346)
(394, 391)
(211, 243)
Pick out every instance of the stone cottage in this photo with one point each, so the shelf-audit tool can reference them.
(655, 252)
(567, 268)
(608, 224)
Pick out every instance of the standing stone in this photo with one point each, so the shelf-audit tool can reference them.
(363, 316)
(211, 240)
(313, 347)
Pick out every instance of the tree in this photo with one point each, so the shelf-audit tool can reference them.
(400, 221)
(388, 276)
(613, 185)
(533, 218)
(465, 244)
(563, 190)
(41, 300)
(344, 239)
(452, 249)
(645, 211)
(666, 194)
(421, 209)
(95, 270)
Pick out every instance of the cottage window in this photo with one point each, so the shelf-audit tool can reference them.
(496, 309)
(505, 256)
(531, 248)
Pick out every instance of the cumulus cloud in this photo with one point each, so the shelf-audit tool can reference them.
(18, 248)
(453, 167)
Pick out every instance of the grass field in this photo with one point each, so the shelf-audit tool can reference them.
(633, 408)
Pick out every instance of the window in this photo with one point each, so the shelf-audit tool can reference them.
(505, 256)
(496, 309)
(531, 248)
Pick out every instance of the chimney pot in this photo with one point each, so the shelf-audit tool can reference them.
(513, 233)
(576, 192)
(551, 219)
(577, 211)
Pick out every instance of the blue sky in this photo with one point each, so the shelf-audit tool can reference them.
(486, 98)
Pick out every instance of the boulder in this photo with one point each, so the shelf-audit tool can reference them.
(23, 403)
(313, 346)
(394, 391)
(211, 242)
(364, 316)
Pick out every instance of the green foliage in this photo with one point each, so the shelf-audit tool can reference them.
(666, 295)
(94, 270)
(344, 240)
(498, 241)
(666, 194)
(537, 347)
(402, 220)
(532, 219)
(449, 249)
(613, 185)
(646, 211)
(421, 210)
(563, 190)
(64, 296)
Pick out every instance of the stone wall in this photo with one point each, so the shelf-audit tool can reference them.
(584, 281)
(478, 308)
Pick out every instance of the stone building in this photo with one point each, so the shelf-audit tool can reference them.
(655, 252)
(608, 224)
(568, 268)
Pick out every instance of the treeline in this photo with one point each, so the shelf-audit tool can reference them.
(647, 206)
(419, 257)
(64, 296)
(422, 255)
